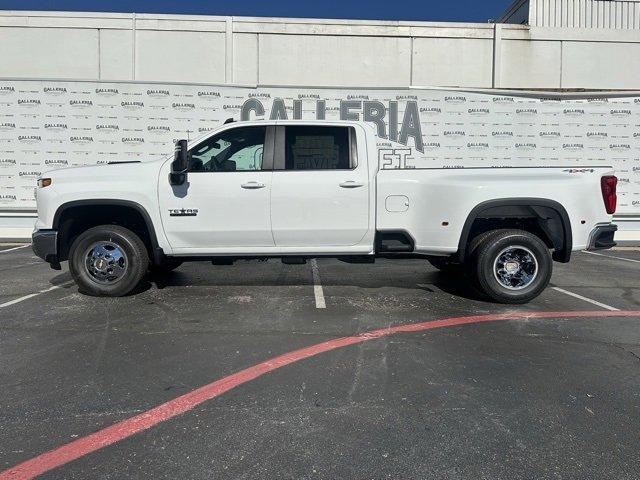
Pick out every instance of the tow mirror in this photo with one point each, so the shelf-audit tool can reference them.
(180, 164)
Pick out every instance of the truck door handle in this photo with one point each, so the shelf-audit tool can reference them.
(252, 185)
(351, 184)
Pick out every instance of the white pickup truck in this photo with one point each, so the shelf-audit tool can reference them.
(303, 189)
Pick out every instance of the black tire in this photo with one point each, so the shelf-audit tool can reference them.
(445, 265)
(522, 277)
(169, 265)
(108, 242)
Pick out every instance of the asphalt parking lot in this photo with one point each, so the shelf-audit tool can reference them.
(238, 372)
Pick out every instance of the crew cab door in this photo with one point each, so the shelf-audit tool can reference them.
(320, 190)
(224, 205)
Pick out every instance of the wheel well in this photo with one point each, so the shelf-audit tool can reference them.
(71, 220)
(546, 219)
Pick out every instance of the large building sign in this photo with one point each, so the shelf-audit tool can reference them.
(53, 124)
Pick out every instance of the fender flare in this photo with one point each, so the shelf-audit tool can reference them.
(157, 252)
(563, 255)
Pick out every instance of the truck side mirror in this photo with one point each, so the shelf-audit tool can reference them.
(180, 164)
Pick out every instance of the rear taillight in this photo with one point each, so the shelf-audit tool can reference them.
(608, 184)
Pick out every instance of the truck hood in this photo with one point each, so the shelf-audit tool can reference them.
(111, 172)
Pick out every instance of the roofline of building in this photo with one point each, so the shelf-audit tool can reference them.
(223, 18)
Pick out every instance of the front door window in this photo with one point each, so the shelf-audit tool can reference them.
(235, 150)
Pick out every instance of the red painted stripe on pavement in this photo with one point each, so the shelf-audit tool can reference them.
(126, 428)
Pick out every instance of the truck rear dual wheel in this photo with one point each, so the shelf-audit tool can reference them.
(108, 261)
(510, 266)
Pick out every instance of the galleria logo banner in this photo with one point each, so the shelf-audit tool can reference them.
(29, 102)
(56, 163)
(384, 116)
(133, 140)
(81, 103)
(107, 92)
(82, 140)
(159, 129)
(209, 95)
(107, 128)
(51, 124)
(158, 93)
(56, 127)
(526, 147)
(54, 90)
(29, 138)
(455, 99)
(183, 106)
(132, 105)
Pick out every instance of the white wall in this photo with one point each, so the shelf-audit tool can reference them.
(336, 53)
(332, 60)
(49, 52)
(584, 65)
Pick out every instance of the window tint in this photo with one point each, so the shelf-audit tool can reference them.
(238, 149)
(317, 148)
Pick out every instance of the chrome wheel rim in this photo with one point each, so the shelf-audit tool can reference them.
(515, 267)
(106, 262)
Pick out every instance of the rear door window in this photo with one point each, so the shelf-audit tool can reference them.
(319, 148)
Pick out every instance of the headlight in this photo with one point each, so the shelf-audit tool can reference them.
(44, 182)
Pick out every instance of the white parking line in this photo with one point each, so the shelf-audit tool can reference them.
(31, 295)
(586, 299)
(611, 256)
(14, 248)
(317, 287)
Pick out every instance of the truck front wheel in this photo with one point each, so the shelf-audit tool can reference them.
(511, 266)
(108, 261)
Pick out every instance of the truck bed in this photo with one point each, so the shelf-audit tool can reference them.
(432, 205)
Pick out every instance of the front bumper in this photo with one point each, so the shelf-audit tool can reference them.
(45, 245)
(601, 237)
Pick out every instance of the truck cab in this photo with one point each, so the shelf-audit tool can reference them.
(261, 188)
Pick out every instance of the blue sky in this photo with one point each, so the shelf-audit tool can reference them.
(430, 10)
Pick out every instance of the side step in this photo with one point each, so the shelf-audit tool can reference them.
(394, 242)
